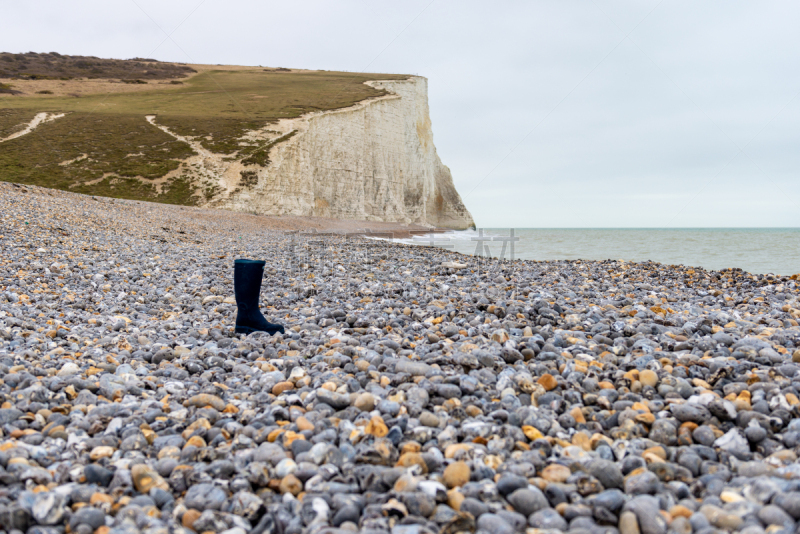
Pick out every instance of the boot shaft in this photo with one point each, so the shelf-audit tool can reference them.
(247, 275)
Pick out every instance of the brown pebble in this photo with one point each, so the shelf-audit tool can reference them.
(577, 414)
(289, 437)
(100, 498)
(406, 482)
(680, 511)
(473, 411)
(532, 433)
(291, 484)
(410, 446)
(452, 450)
(556, 473)
(195, 441)
(200, 424)
(280, 387)
(412, 458)
(456, 474)
(102, 451)
(189, 517)
(648, 378)
(204, 399)
(454, 499)
(376, 427)
(304, 424)
(548, 382)
(145, 479)
(365, 402)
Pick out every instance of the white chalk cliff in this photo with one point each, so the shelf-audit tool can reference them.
(374, 161)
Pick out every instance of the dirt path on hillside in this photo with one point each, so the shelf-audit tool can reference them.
(40, 118)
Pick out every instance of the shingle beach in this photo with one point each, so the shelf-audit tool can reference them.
(415, 390)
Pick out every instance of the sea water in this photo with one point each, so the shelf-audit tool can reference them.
(755, 250)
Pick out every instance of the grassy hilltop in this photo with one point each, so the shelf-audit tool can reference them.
(104, 146)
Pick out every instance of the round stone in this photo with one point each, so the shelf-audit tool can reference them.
(556, 473)
(648, 378)
(456, 474)
(429, 419)
(291, 484)
(365, 402)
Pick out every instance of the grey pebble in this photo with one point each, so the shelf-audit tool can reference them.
(547, 518)
(528, 501)
(88, 515)
(495, 524)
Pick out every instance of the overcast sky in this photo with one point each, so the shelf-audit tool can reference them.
(550, 114)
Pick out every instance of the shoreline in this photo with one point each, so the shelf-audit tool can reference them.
(416, 389)
(755, 250)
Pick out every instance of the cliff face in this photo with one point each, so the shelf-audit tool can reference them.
(372, 161)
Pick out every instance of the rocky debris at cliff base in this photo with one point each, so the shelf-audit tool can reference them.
(405, 397)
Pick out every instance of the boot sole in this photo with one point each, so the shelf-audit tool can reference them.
(244, 330)
(248, 330)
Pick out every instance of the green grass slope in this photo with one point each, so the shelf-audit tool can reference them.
(104, 145)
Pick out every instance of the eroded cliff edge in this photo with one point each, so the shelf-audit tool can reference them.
(374, 161)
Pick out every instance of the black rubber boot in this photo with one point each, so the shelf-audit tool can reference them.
(247, 276)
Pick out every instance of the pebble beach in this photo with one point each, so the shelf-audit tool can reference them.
(416, 390)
